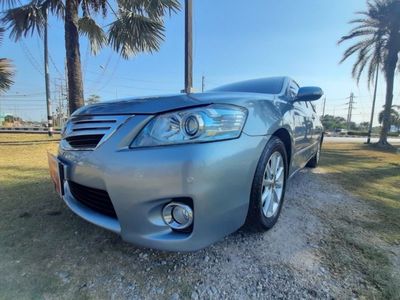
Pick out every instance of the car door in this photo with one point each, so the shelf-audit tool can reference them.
(314, 120)
(317, 127)
(301, 127)
(310, 124)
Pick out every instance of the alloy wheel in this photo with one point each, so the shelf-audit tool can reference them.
(272, 187)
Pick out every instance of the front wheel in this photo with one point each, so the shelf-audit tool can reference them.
(268, 187)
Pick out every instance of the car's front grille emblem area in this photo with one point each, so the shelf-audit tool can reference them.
(95, 199)
(87, 132)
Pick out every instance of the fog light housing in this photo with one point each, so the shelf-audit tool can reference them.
(178, 216)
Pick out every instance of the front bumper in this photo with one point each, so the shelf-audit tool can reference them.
(217, 177)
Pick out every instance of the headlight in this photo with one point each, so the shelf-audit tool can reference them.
(204, 124)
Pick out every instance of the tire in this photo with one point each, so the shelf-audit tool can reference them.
(313, 162)
(268, 185)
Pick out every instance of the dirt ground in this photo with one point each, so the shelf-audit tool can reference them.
(312, 252)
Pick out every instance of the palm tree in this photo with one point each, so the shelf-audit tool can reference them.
(138, 26)
(394, 118)
(93, 99)
(377, 31)
(6, 70)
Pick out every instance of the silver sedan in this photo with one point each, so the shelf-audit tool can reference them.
(180, 172)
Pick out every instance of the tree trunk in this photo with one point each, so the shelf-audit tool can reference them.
(388, 104)
(75, 85)
(390, 68)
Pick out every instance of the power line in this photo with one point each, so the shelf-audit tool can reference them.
(166, 82)
(31, 58)
(111, 75)
(100, 76)
(55, 67)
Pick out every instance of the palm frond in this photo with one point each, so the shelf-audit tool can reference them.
(158, 8)
(6, 69)
(24, 20)
(6, 74)
(357, 33)
(356, 47)
(2, 30)
(95, 6)
(133, 33)
(154, 9)
(27, 19)
(372, 33)
(364, 57)
(8, 3)
(56, 7)
(94, 33)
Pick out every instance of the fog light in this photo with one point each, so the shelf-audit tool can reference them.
(177, 215)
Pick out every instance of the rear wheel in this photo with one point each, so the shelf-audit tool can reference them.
(268, 187)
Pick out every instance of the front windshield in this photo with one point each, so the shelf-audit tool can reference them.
(271, 85)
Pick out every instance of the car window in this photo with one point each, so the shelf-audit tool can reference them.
(302, 105)
(271, 85)
(293, 89)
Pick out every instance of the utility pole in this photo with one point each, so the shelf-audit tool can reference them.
(350, 110)
(58, 88)
(47, 77)
(323, 108)
(373, 106)
(188, 48)
(203, 83)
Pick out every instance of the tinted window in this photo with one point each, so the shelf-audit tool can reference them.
(293, 89)
(271, 85)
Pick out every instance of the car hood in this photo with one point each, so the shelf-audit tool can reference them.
(159, 104)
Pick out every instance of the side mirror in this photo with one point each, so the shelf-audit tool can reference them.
(309, 93)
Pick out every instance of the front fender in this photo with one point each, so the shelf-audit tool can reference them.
(266, 117)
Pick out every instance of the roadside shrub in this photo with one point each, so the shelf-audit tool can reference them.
(395, 134)
(357, 133)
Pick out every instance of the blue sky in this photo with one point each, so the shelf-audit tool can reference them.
(233, 40)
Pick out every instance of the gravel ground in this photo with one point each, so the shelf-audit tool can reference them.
(291, 261)
(285, 262)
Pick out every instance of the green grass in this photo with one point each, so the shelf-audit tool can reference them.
(374, 176)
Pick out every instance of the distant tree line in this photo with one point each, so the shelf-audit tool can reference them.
(332, 123)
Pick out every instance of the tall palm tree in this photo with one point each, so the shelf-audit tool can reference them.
(377, 35)
(138, 26)
(6, 70)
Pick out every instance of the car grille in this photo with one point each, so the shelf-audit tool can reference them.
(84, 141)
(88, 132)
(96, 199)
